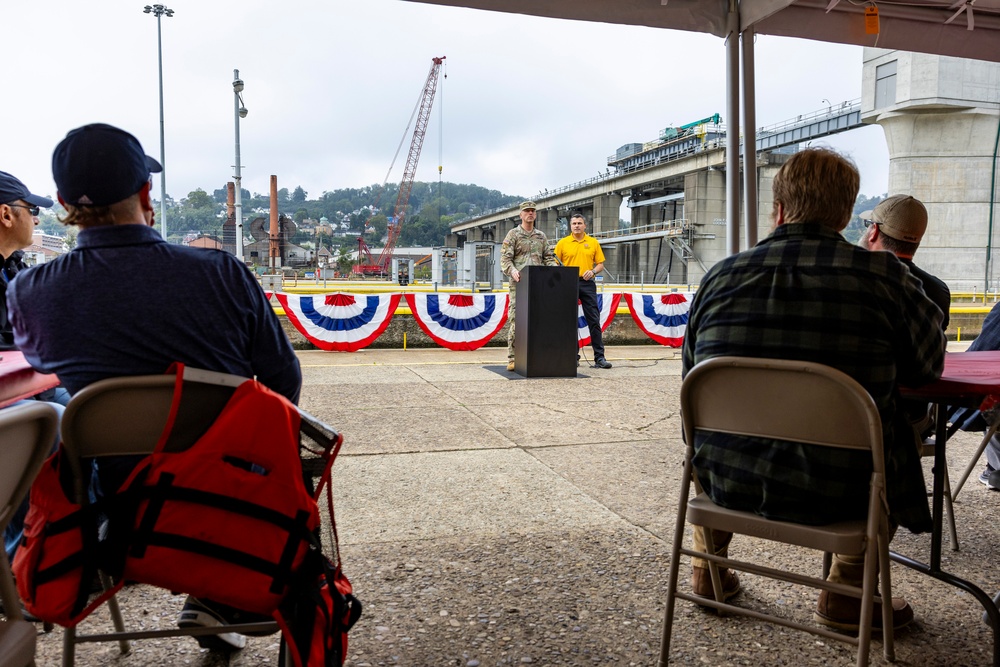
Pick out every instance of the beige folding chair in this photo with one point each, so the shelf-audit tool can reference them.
(126, 416)
(800, 402)
(974, 461)
(26, 433)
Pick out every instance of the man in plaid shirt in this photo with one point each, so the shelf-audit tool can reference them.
(805, 293)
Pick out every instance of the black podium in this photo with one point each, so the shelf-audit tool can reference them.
(545, 322)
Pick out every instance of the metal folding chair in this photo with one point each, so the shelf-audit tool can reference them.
(799, 402)
(126, 416)
(990, 432)
(27, 433)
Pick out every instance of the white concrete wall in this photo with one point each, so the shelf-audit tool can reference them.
(941, 134)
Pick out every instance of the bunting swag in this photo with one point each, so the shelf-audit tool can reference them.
(662, 316)
(459, 321)
(340, 322)
(607, 304)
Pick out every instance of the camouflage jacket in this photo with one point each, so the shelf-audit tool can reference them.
(521, 249)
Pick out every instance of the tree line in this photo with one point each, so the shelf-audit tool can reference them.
(432, 209)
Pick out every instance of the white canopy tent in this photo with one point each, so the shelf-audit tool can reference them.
(962, 28)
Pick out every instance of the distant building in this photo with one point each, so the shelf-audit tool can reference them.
(205, 241)
(324, 256)
(291, 255)
(324, 227)
(37, 254)
(49, 241)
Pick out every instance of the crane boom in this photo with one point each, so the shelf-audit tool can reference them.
(381, 265)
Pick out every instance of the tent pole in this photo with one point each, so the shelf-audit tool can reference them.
(749, 140)
(733, 131)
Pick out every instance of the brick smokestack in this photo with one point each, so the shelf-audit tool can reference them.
(230, 201)
(274, 253)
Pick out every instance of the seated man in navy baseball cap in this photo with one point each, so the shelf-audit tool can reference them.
(18, 217)
(125, 302)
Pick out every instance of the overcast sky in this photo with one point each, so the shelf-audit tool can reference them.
(528, 103)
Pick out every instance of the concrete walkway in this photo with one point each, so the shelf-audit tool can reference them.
(488, 519)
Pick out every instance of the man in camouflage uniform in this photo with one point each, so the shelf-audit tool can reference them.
(523, 246)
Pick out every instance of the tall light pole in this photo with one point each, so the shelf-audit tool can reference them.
(239, 111)
(158, 11)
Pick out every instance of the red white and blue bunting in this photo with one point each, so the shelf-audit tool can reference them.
(663, 317)
(459, 321)
(607, 304)
(340, 321)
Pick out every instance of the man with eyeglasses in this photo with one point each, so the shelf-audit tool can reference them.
(18, 216)
(19, 211)
(897, 225)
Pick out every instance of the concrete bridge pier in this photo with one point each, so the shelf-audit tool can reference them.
(606, 213)
(547, 221)
(941, 116)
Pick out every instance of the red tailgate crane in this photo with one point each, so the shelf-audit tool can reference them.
(380, 267)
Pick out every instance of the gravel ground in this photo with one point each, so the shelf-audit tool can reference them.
(529, 523)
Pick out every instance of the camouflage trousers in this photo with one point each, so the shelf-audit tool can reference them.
(510, 323)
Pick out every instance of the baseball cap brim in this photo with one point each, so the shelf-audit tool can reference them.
(154, 166)
(866, 215)
(36, 200)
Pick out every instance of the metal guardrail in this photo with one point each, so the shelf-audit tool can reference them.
(671, 227)
(827, 112)
(711, 144)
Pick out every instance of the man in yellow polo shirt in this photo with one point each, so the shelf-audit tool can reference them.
(584, 252)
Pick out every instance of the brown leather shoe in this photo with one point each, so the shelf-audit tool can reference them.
(510, 365)
(701, 583)
(843, 612)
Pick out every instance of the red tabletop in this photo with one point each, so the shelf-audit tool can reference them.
(19, 380)
(966, 374)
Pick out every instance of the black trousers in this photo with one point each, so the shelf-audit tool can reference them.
(587, 293)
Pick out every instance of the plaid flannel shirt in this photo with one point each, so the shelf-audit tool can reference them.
(805, 293)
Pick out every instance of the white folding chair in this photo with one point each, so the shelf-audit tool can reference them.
(126, 416)
(26, 433)
(794, 401)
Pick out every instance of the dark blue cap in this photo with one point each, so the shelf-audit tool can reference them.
(100, 165)
(11, 189)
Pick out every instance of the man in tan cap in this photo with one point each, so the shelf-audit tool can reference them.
(897, 225)
(523, 246)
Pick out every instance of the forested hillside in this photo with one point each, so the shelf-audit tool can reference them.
(432, 208)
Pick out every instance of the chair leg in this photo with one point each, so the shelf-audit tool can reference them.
(69, 647)
(116, 617)
(675, 557)
(868, 586)
(885, 576)
(713, 568)
(975, 459)
(116, 613)
(950, 508)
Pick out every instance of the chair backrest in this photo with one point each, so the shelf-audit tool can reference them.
(127, 415)
(26, 436)
(799, 401)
